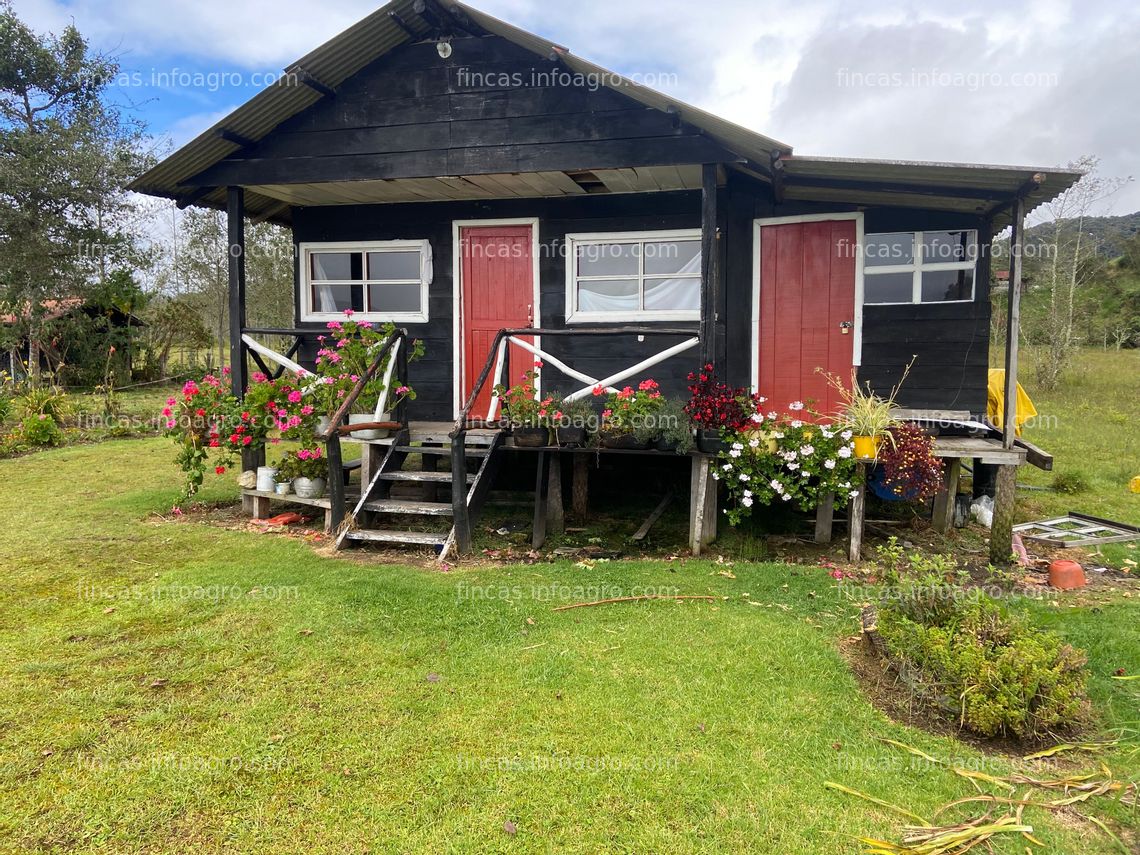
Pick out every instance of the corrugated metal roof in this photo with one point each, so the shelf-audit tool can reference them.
(968, 188)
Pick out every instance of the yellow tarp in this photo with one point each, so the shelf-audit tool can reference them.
(995, 408)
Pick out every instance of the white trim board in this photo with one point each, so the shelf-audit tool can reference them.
(457, 366)
(857, 332)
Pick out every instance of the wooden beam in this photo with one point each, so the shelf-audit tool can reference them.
(702, 504)
(403, 25)
(710, 262)
(1001, 531)
(189, 199)
(779, 177)
(824, 518)
(856, 514)
(1035, 456)
(642, 532)
(895, 187)
(316, 85)
(580, 489)
(235, 236)
(555, 511)
(1012, 325)
(538, 532)
(234, 137)
(943, 517)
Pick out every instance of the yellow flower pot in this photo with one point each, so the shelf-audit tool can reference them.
(867, 447)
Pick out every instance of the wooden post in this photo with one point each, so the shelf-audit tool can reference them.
(335, 515)
(538, 533)
(1001, 532)
(235, 233)
(824, 517)
(580, 490)
(856, 511)
(1013, 322)
(459, 512)
(710, 262)
(555, 513)
(702, 504)
(943, 517)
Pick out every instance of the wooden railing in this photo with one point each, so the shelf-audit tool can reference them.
(499, 362)
(397, 343)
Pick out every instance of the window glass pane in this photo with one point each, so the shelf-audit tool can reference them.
(883, 250)
(939, 285)
(394, 298)
(947, 247)
(336, 265)
(608, 295)
(888, 288)
(394, 265)
(337, 298)
(678, 294)
(608, 259)
(673, 256)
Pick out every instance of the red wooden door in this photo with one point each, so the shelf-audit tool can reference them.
(807, 311)
(497, 275)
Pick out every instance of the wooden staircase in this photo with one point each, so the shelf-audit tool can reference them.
(408, 506)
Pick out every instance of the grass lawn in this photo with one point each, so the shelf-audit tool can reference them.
(176, 687)
(1089, 423)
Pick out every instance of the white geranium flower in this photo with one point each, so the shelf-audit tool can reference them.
(756, 417)
(846, 435)
(793, 466)
(807, 450)
(844, 452)
(776, 485)
(829, 464)
(761, 400)
(778, 434)
(716, 476)
(727, 467)
(753, 443)
(748, 494)
(796, 406)
(827, 434)
(746, 501)
(773, 416)
(786, 496)
(736, 446)
(796, 423)
(744, 476)
(735, 452)
(853, 494)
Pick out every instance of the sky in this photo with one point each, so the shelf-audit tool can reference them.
(1024, 82)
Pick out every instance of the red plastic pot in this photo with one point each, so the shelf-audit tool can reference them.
(1066, 575)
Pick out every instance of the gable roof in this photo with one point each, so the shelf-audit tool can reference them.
(962, 188)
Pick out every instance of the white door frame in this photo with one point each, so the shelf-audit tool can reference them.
(458, 351)
(857, 332)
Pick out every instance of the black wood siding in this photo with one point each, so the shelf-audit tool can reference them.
(433, 376)
(492, 107)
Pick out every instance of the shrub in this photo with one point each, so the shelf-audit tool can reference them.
(1002, 675)
(43, 401)
(5, 408)
(910, 469)
(1071, 483)
(40, 430)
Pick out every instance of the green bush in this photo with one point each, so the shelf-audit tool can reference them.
(1071, 483)
(1003, 675)
(40, 430)
(44, 401)
(5, 408)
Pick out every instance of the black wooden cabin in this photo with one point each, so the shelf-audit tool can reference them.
(430, 130)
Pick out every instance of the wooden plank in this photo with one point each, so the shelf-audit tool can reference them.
(702, 504)
(641, 533)
(538, 532)
(856, 514)
(824, 518)
(1012, 326)
(580, 490)
(1034, 456)
(1001, 532)
(555, 513)
(711, 284)
(235, 236)
(943, 517)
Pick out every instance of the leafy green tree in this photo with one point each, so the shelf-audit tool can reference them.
(65, 155)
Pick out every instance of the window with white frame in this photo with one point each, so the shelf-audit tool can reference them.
(919, 267)
(634, 276)
(377, 280)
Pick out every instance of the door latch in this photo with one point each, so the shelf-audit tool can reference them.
(845, 327)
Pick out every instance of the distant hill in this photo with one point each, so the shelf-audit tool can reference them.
(1110, 233)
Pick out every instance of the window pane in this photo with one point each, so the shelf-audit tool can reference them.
(394, 298)
(939, 285)
(608, 259)
(883, 250)
(673, 256)
(679, 294)
(336, 265)
(888, 288)
(608, 295)
(394, 265)
(337, 298)
(947, 247)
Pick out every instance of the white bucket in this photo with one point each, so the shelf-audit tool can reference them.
(266, 479)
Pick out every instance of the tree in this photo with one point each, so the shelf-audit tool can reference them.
(65, 156)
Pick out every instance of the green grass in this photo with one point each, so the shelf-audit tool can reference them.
(1090, 425)
(174, 687)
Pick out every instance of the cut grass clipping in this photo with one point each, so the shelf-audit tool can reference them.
(928, 838)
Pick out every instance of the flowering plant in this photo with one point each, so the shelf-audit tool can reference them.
(521, 404)
(910, 469)
(717, 406)
(269, 404)
(346, 351)
(632, 411)
(197, 418)
(302, 463)
(786, 460)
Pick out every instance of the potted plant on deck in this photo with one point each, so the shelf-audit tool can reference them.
(573, 422)
(307, 469)
(674, 429)
(629, 418)
(528, 416)
(868, 415)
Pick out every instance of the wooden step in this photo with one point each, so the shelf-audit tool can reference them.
(403, 506)
(417, 538)
(476, 451)
(432, 477)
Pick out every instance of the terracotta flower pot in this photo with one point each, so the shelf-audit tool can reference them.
(867, 447)
(1066, 575)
